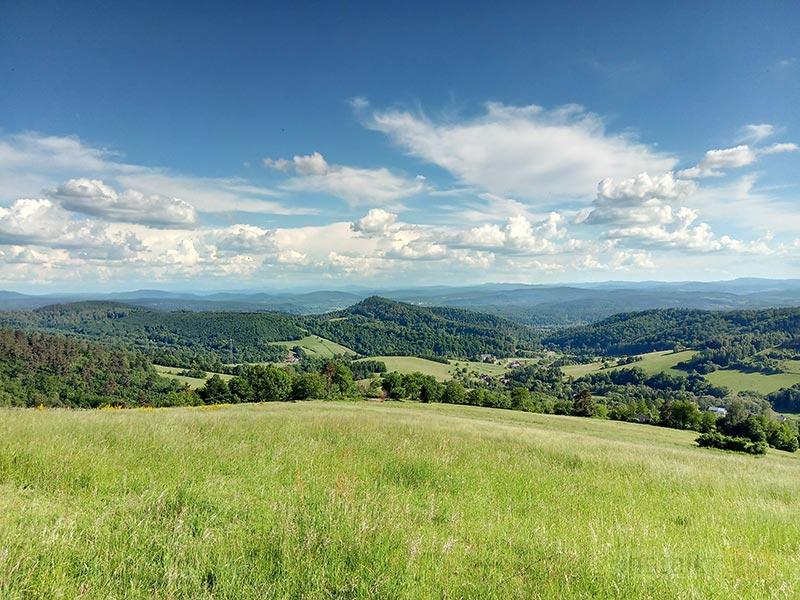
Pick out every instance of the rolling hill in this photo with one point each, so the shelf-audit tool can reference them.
(540, 305)
(649, 331)
(177, 338)
(378, 326)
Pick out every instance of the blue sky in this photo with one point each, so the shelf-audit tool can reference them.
(205, 146)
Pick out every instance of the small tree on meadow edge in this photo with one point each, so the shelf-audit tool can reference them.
(215, 391)
(584, 405)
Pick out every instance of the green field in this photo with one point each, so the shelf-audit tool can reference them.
(736, 381)
(739, 381)
(652, 363)
(192, 382)
(317, 346)
(384, 500)
(442, 371)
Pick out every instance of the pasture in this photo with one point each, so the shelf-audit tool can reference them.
(192, 382)
(384, 500)
(651, 363)
(441, 371)
(739, 381)
(317, 346)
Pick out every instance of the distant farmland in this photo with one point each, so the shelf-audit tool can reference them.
(318, 346)
(442, 371)
(651, 363)
(738, 381)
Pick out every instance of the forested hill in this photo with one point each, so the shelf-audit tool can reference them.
(207, 340)
(377, 326)
(177, 338)
(54, 370)
(633, 333)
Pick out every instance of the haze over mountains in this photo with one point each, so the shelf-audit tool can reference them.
(538, 305)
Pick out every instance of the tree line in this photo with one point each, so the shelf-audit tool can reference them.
(664, 329)
(38, 369)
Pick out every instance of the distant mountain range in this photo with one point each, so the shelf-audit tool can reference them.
(539, 305)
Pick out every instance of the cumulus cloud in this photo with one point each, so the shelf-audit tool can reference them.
(105, 219)
(291, 257)
(526, 151)
(518, 236)
(40, 222)
(376, 221)
(351, 264)
(641, 211)
(312, 164)
(640, 199)
(419, 249)
(244, 238)
(352, 184)
(93, 197)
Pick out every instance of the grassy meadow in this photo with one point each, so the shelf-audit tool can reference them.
(651, 363)
(384, 500)
(317, 346)
(734, 380)
(441, 371)
(192, 382)
(739, 381)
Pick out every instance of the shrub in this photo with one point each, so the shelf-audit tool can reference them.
(719, 440)
(307, 386)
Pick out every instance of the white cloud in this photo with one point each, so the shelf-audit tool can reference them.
(352, 184)
(312, 164)
(640, 199)
(244, 238)
(779, 148)
(419, 250)
(31, 163)
(757, 132)
(526, 151)
(105, 220)
(376, 221)
(355, 264)
(40, 222)
(716, 162)
(726, 158)
(518, 236)
(93, 197)
(741, 203)
(291, 257)
(640, 211)
(620, 260)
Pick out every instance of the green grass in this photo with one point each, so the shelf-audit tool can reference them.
(410, 364)
(384, 500)
(192, 382)
(582, 369)
(739, 381)
(652, 363)
(735, 381)
(318, 346)
(442, 371)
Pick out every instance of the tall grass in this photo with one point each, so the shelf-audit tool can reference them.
(342, 500)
